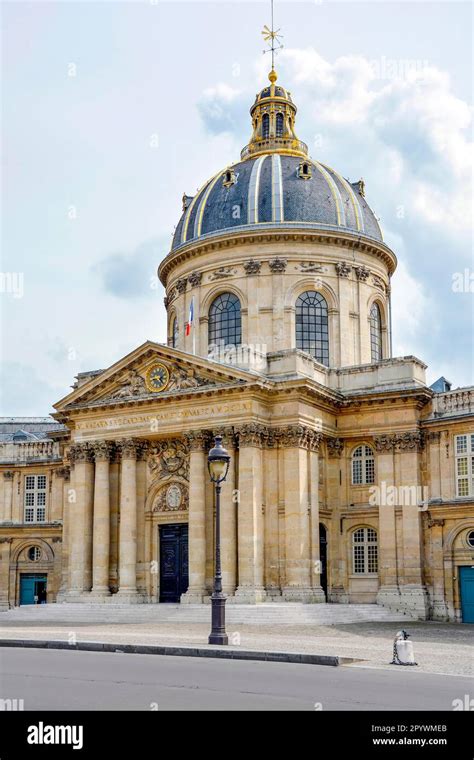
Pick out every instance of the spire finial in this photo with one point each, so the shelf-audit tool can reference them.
(272, 38)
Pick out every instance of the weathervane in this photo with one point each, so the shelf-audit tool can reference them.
(272, 37)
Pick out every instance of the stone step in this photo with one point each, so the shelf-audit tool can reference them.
(284, 613)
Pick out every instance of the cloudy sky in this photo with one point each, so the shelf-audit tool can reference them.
(111, 110)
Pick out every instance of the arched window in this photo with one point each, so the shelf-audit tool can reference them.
(279, 125)
(312, 333)
(364, 551)
(363, 466)
(225, 321)
(375, 333)
(265, 125)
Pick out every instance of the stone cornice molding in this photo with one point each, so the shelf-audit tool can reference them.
(233, 238)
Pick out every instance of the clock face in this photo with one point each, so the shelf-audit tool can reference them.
(157, 378)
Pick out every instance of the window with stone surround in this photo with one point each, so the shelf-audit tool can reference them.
(266, 126)
(311, 320)
(174, 332)
(35, 498)
(225, 321)
(363, 466)
(364, 551)
(375, 320)
(464, 452)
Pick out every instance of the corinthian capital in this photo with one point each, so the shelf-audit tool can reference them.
(299, 436)
(251, 434)
(81, 452)
(335, 447)
(128, 448)
(103, 451)
(197, 440)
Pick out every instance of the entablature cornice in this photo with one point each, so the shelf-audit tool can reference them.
(233, 238)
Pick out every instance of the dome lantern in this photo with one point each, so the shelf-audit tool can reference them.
(273, 119)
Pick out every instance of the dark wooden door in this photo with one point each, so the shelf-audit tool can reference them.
(173, 562)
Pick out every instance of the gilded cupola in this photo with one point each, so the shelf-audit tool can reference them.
(273, 121)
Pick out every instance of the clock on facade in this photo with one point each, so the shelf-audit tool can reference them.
(157, 378)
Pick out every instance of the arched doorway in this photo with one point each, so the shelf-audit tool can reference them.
(323, 557)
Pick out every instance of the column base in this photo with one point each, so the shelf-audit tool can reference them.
(249, 595)
(415, 601)
(338, 595)
(100, 592)
(128, 596)
(439, 611)
(389, 596)
(303, 594)
(194, 596)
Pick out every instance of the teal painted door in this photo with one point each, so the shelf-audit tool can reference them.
(32, 589)
(466, 580)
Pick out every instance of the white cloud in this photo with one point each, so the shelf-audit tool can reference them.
(408, 137)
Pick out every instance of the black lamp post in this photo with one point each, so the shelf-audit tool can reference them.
(218, 463)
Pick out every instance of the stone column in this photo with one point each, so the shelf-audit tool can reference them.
(101, 536)
(80, 533)
(389, 591)
(439, 606)
(295, 440)
(65, 474)
(313, 454)
(271, 477)
(346, 337)
(141, 499)
(414, 595)
(250, 518)
(229, 508)
(8, 495)
(5, 548)
(128, 522)
(198, 445)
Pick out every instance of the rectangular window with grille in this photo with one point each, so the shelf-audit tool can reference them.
(464, 452)
(35, 498)
(364, 551)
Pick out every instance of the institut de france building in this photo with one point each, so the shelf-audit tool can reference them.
(350, 479)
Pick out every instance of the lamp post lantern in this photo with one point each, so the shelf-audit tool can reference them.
(218, 464)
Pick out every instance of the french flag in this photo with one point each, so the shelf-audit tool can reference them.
(190, 322)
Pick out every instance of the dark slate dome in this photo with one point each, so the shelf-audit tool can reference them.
(269, 191)
(275, 184)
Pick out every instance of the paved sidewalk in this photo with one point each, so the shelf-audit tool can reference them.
(439, 648)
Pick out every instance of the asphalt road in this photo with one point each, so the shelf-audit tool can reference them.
(62, 680)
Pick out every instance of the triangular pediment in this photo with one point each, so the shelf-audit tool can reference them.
(153, 370)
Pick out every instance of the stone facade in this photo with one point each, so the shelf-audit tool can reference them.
(345, 482)
(292, 444)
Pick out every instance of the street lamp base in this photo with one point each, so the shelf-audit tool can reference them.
(218, 638)
(218, 634)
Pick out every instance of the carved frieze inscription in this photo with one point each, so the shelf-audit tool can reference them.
(173, 415)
